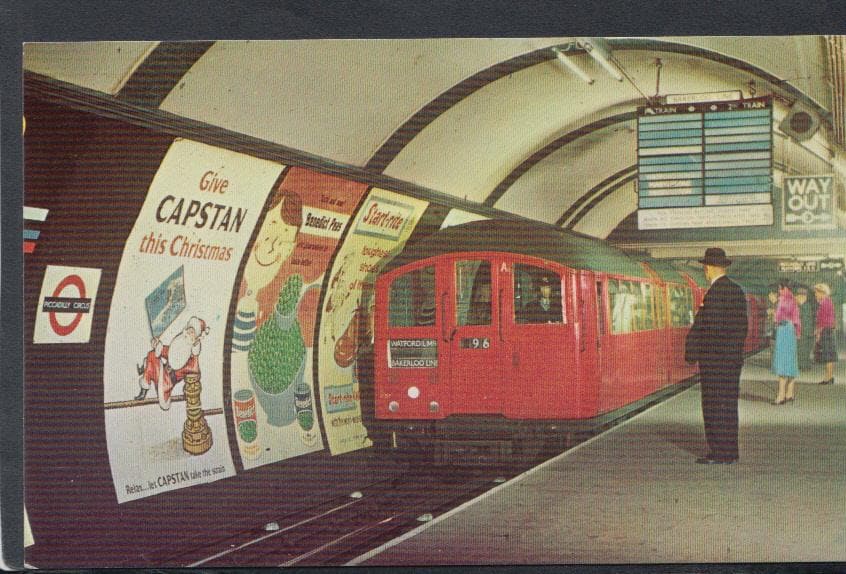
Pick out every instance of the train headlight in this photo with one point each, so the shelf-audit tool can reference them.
(434, 407)
(393, 406)
(413, 392)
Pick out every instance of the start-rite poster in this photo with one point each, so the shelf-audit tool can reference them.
(163, 366)
(380, 229)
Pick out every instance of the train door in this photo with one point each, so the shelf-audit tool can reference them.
(593, 358)
(472, 322)
(410, 352)
(604, 346)
(539, 356)
(668, 344)
(680, 317)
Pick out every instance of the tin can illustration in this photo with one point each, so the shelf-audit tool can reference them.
(244, 407)
(303, 405)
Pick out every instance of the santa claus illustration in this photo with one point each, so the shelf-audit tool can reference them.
(167, 365)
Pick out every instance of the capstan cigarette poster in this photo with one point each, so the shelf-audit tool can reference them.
(163, 365)
(380, 229)
(273, 402)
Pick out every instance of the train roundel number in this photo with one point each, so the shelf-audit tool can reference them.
(58, 328)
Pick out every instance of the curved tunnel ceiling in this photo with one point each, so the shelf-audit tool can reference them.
(495, 121)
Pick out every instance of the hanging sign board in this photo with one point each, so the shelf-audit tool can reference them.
(705, 164)
(808, 202)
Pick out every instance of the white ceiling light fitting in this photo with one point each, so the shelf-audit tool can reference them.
(602, 54)
(571, 65)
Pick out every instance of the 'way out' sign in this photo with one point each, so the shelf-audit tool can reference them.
(808, 202)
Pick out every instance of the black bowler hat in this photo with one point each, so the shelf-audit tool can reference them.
(716, 257)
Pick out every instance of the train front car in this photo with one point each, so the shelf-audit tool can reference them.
(472, 334)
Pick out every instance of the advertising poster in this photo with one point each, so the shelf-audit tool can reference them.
(273, 336)
(380, 229)
(163, 366)
(66, 305)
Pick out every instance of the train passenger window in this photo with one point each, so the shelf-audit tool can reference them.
(624, 301)
(473, 292)
(661, 310)
(681, 306)
(412, 299)
(537, 295)
(647, 307)
(690, 311)
(637, 311)
(600, 309)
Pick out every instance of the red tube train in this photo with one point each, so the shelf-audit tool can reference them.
(509, 321)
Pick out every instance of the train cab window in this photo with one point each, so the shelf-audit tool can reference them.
(473, 292)
(537, 295)
(681, 306)
(412, 299)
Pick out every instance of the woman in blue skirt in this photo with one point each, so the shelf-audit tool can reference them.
(788, 326)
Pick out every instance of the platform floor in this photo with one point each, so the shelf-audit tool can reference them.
(635, 494)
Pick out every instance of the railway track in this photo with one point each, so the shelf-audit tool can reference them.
(342, 528)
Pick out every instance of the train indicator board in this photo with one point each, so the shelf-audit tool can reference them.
(706, 164)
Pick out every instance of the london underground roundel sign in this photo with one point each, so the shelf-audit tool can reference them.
(66, 305)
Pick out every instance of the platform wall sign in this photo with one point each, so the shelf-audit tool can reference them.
(66, 305)
(832, 264)
(808, 202)
(706, 164)
(796, 266)
(378, 231)
(273, 398)
(163, 367)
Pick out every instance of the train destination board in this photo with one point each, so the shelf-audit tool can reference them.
(413, 353)
(706, 164)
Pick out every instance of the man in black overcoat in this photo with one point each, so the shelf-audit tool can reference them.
(715, 341)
